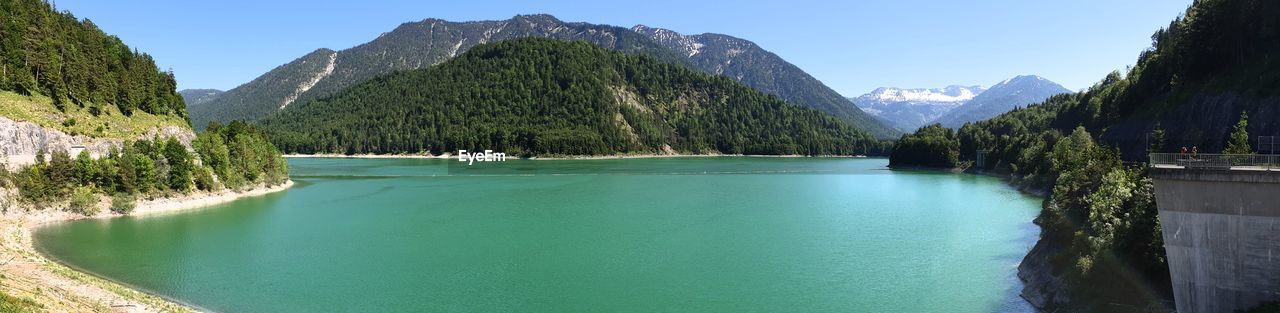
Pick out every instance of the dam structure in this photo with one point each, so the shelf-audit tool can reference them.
(1220, 217)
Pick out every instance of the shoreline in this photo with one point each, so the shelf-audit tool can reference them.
(581, 157)
(1033, 296)
(368, 156)
(660, 156)
(29, 274)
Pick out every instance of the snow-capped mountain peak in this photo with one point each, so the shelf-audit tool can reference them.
(908, 109)
(1009, 94)
(1029, 79)
(948, 94)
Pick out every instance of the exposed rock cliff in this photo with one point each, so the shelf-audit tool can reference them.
(21, 141)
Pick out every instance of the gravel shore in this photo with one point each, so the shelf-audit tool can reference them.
(59, 288)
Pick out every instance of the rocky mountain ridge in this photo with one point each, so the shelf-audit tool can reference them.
(428, 42)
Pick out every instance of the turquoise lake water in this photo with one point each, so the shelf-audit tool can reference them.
(638, 235)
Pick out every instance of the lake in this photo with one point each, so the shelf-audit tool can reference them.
(715, 234)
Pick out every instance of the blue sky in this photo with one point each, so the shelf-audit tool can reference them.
(852, 46)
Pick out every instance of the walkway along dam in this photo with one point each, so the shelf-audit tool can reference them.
(1220, 216)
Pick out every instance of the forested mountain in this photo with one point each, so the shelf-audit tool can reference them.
(909, 109)
(267, 93)
(422, 44)
(76, 65)
(1208, 69)
(550, 97)
(80, 86)
(1005, 96)
(746, 62)
(195, 97)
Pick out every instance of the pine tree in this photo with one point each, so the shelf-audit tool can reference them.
(1239, 141)
(1156, 140)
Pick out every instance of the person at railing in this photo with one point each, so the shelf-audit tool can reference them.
(1183, 154)
(1195, 153)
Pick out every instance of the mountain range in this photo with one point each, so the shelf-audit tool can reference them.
(909, 109)
(1002, 97)
(537, 97)
(422, 44)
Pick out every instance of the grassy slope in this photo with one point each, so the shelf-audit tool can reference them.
(110, 124)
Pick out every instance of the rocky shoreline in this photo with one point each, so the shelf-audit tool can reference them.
(1041, 287)
(58, 288)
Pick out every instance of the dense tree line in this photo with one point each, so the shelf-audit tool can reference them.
(410, 46)
(71, 61)
(52, 53)
(231, 156)
(929, 146)
(1101, 205)
(548, 97)
(241, 155)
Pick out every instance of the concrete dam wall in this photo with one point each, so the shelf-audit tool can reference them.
(1221, 231)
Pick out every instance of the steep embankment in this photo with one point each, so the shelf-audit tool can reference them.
(1101, 247)
(142, 178)
(65, 85)
(50, 286)
(30, 125)
(548, 97)
(20, 142)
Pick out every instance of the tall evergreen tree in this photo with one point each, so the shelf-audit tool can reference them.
(55, 54)
(1156, 139)
(1238, 143)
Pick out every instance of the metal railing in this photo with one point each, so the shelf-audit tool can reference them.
(1266, 162)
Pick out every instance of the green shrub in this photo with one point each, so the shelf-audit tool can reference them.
(33, 188)
(204, 179)
(180, 164)
(123, 203)
(144, 172)
(84, 201)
